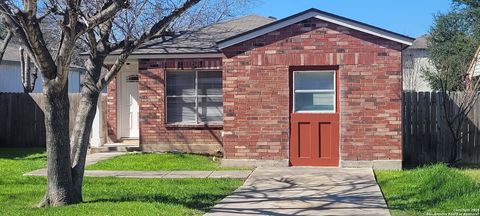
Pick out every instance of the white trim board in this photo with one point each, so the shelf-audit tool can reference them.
(322, 16)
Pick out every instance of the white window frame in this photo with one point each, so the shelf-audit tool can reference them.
(195, 96)
(317, 91)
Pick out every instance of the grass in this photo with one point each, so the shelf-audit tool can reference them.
(429, 190)
(154, 162)
(473, 173)
(105, 196)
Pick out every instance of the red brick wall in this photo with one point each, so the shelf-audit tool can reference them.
(153, 130)
(112, 110)
(256, 91)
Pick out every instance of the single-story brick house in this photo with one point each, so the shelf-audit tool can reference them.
(312, 89)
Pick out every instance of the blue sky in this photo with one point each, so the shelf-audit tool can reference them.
(409, 17)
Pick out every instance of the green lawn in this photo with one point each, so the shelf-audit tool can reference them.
(473, 173)
(106, 196)
(432, 189)
(163, 161)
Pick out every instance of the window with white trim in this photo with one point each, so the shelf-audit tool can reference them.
(314, 91)
(194, 97)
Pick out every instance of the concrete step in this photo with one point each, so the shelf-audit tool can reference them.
(116, 147)
(130, 142)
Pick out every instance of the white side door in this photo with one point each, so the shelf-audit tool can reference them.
(129, 117)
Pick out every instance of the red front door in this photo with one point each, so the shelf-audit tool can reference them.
(314, 120)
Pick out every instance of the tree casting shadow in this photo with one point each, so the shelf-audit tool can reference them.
(202, 201)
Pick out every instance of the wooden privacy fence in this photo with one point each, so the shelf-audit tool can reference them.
(22, 118)
(426, 137)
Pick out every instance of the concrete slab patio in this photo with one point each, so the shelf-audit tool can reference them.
(305, 191)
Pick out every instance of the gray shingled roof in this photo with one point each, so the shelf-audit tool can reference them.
(203, 40)
(420, 42)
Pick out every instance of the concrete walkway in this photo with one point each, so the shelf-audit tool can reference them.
(242, 174)
(305, 191)
(91, 159)
(94, 158)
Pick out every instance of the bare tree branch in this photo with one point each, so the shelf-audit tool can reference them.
(131, 45)
(456, 108)
(34, 38)
(12, 24)
(109, 10)
(29, 75)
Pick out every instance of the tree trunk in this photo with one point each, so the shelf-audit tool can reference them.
(81, 137)
(59, 180)
(83, 123)
(454, 152)
(66, 157)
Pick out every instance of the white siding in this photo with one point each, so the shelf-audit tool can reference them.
(11, 80)
(476, 67)
(74, 81)
(415, 62)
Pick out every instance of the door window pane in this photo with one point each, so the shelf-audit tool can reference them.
(314, 91)
(132, 78)
(323, 101)
(314, 81)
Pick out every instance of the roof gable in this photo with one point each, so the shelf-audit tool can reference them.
(328, 17)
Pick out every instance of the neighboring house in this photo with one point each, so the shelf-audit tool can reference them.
(11, 79)
(474, 68)
(415, 63)
(312, 89)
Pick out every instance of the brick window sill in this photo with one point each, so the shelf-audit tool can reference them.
(195, 126)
